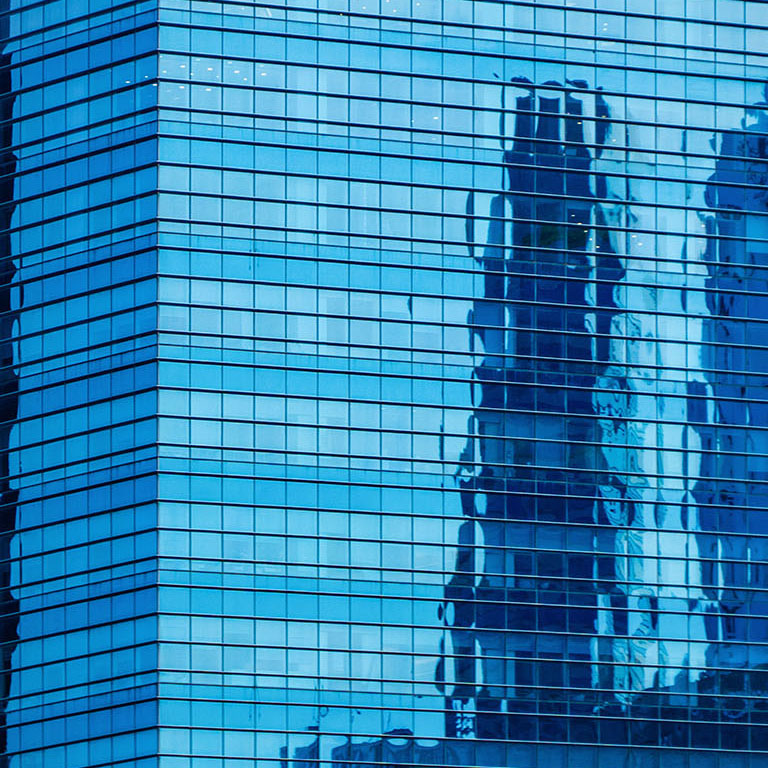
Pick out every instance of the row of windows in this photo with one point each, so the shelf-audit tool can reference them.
(95, 138)
(389, 514)
(98, 695)
(336, 472)
(109, 411)
(638, 41)
(49, 89)
(352, 566)
(122, 750)
(349, 488)
(127, 252)
(62, 21)
(485, 13)
(91, 525)
(303, 372)
(78, 306)
(122, 599)
(347, 564)
(34, 130)
(549, 228)
(60, 588)
(117, 691)
(31, 69)
(129, 719)
(60, 276)
(423, 275)
(503, 455)
(79, 670)
(127, 130)
(104, 479)
(55, 369)
(375, 340)
(337, 377)
(83, 335)
(389, 653)
(105, 455)
(576, 28)
(547, 551)
(613, 163)
(336, 717)
(195, 745)
(414, 632)
(560, 756)
(381, 179)
(124, 163)
(279, 716)
(734, 281)
(560, 221)
(541, 314)
(367, 449)
(479, 144)
(70, 643)
(435, 55)
(84, 225)
(462, 153)
(96, 391)
(239, 354)
(267, 72)
(450, 416)
(101, 490)
(329, 223)
(361, 675)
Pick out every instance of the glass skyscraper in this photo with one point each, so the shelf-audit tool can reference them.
(384, 383)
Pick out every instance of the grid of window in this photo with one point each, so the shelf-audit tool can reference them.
(387, 384)
(79, 373)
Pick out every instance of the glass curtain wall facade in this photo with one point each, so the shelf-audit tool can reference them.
(78, 595)
(384, 383)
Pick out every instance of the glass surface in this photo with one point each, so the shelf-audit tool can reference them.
(384, 384)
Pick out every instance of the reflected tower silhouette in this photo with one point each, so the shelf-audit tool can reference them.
(582, 542)
(524, 564)
(735, 487)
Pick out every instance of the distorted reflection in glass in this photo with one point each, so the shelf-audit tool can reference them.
(733, 487)
(608, 577)
(604, 505)
(9, 296)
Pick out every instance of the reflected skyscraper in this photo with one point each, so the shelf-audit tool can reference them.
(734, 486)
(571, 329)
(524, 488)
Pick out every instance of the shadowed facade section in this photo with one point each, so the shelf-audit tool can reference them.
(8, 381)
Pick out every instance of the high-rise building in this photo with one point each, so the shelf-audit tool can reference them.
(384, 383)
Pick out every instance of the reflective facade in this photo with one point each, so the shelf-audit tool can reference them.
(78, 399)
(384, 383)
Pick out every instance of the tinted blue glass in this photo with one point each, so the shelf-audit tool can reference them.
(79, 632)
(384, 384)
